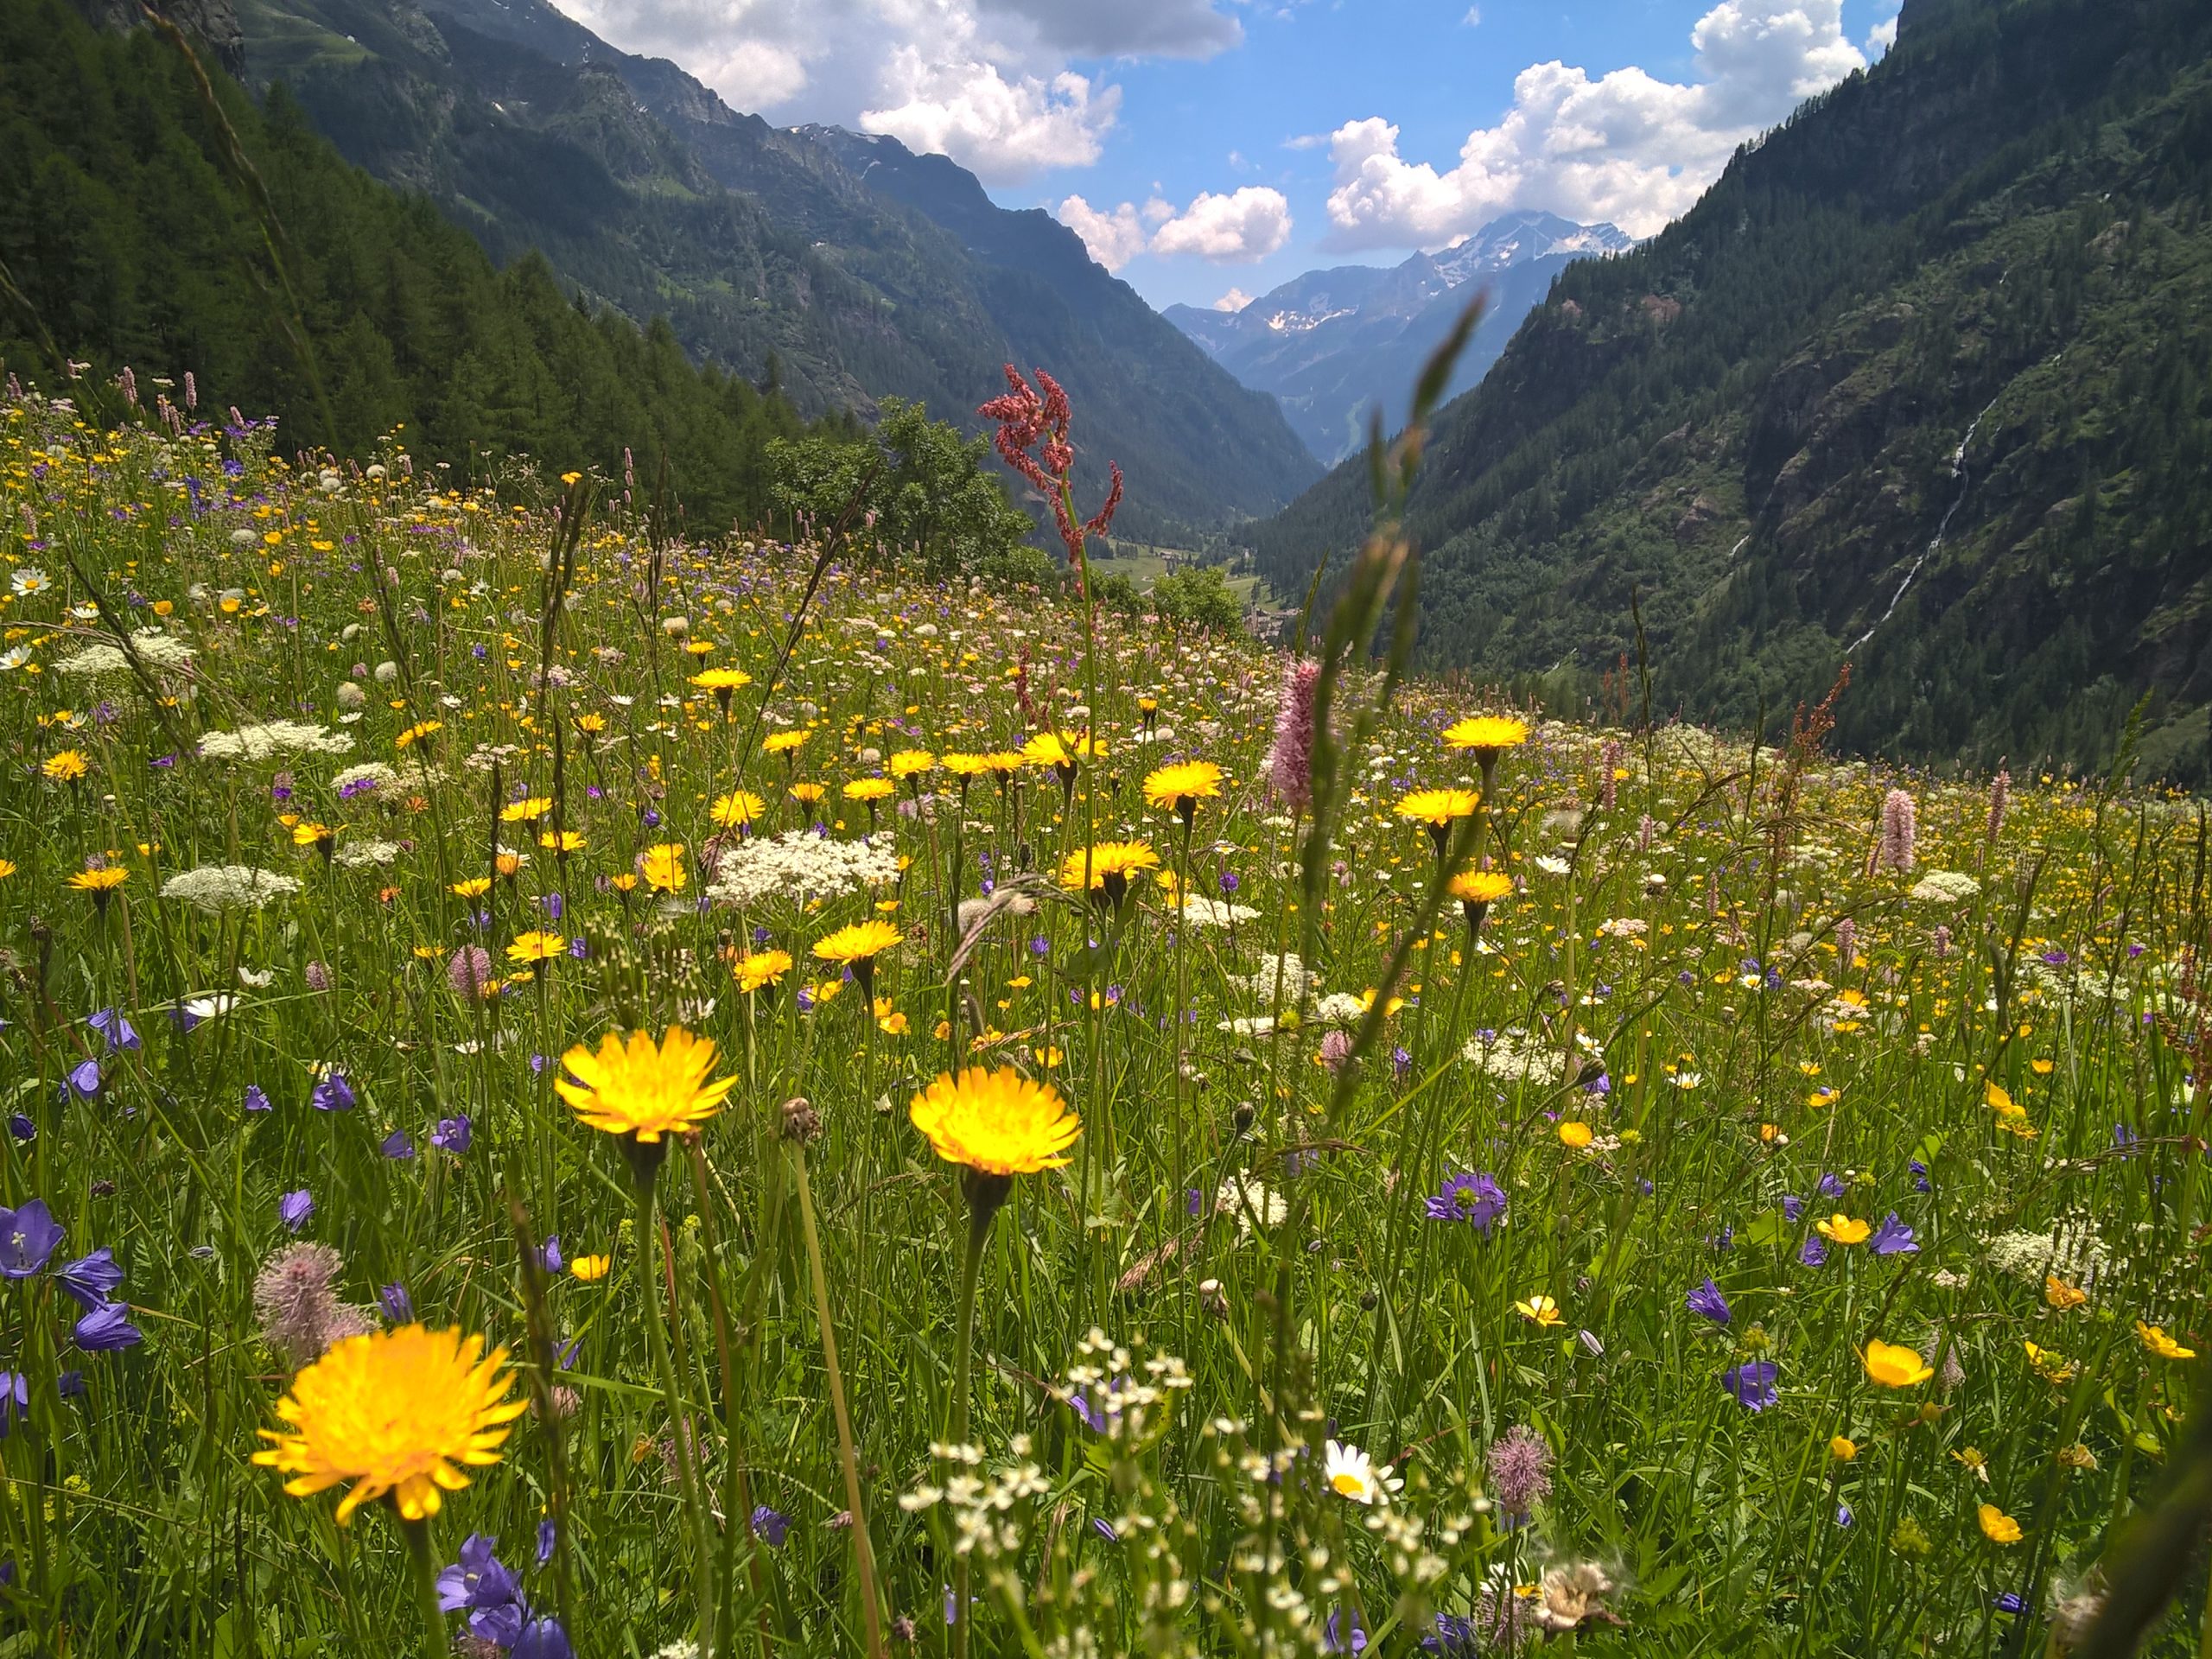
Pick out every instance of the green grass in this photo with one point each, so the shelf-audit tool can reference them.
(1243, 1223)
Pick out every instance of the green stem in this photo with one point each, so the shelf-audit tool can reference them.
(436, 1642)
(703, 1554)
(980, 1210)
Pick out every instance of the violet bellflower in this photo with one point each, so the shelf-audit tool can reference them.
(1752, 1383)
(107, 1329)
(1893, 1237)
(91, 1281)
(28, 1238)
(1707, 1303)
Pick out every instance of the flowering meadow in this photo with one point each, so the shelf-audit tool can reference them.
(575, 1090)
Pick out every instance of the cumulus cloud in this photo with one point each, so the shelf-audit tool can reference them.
(1883, 37)
(987, 82)
(1114, 237)
(1238, 229)
(1236, 300)
(1626, 147)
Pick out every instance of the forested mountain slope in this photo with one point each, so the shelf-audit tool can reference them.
(1924, 382)
(843, 268)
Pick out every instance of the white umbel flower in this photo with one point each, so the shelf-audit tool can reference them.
(275, 737)
(217, 888)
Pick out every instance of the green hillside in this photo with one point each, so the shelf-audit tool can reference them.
(1968, 291)
(845, 267)
(131, 239)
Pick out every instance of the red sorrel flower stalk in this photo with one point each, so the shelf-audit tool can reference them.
(1028, 421)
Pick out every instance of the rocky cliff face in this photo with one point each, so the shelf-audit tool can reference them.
(212, 22)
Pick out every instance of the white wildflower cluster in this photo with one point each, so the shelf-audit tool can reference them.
(373, 774)
(1282, 978)
(682, 1648)
(1119, 1396)
(987, 1510)
(1944, 887)
(1201, 911)
(1247, 1027)
(157, 653)
(217, 888)
(1624, 927)
(1514, 1056)
(799, 865)
(1252, 1202)
(2070, 1249)
(364, 854)
(1339, 1009)
(272, 739)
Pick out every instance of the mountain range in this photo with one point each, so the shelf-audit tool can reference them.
(1332, 346)
(843, 267)
(1923, 383)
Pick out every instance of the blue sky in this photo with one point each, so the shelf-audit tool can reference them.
(1206, 146)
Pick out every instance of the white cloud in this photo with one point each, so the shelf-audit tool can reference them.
(1884, 36)
(1474, 17)
(987, 82)
(1236, 300)
(1626, 147)
(1238, 229)
(1114, 238)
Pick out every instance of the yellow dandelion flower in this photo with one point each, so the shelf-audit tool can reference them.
(760, 968)
(664, 868)
(1062, 751)
(564, 843)
(536, 946)
(1112, 863)
(644, 1090)
(101, 882)
(7, 869)
(526, 811)
(738, 808)
(312, 835)
(1486, 735)
(1004, 762)
(1182, 786)
(870, 789)
(1893, 1365)
(721, 681)
(475, 887)
(967, 768)
(784, 742)
(2060, 1294)
(590, 725)
(1437, 807)
(808, 794)
(66, 766)
(397, 1413)
(417, 733)
(996, 1122)
(909, 764)
(1481, 886)
(861, 943)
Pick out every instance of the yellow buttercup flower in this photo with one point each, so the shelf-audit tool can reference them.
(1182, 786)
(664, 868)
(996, 1122)
(591, 1268)
(2060, 1294)
(738, 808)
(1997, 1526)
(66, 766)
(761, 968)
(2157, 1342)
(1540, 1308)
(1576, 1135)
(642, 1089)
(1840, 1229)
(1486, 735)
(1893, 1365)
(1998, 1100)
(1842, 1449)
(396, 1414)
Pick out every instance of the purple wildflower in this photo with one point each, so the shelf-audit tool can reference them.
(1290, 758)
(107, 1329)
(1520, 1463)
(1893, 1237)
(1472, 1196)
(1707, 1303)
(28, 1238)
(1752, 1383)
(294, 1209)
